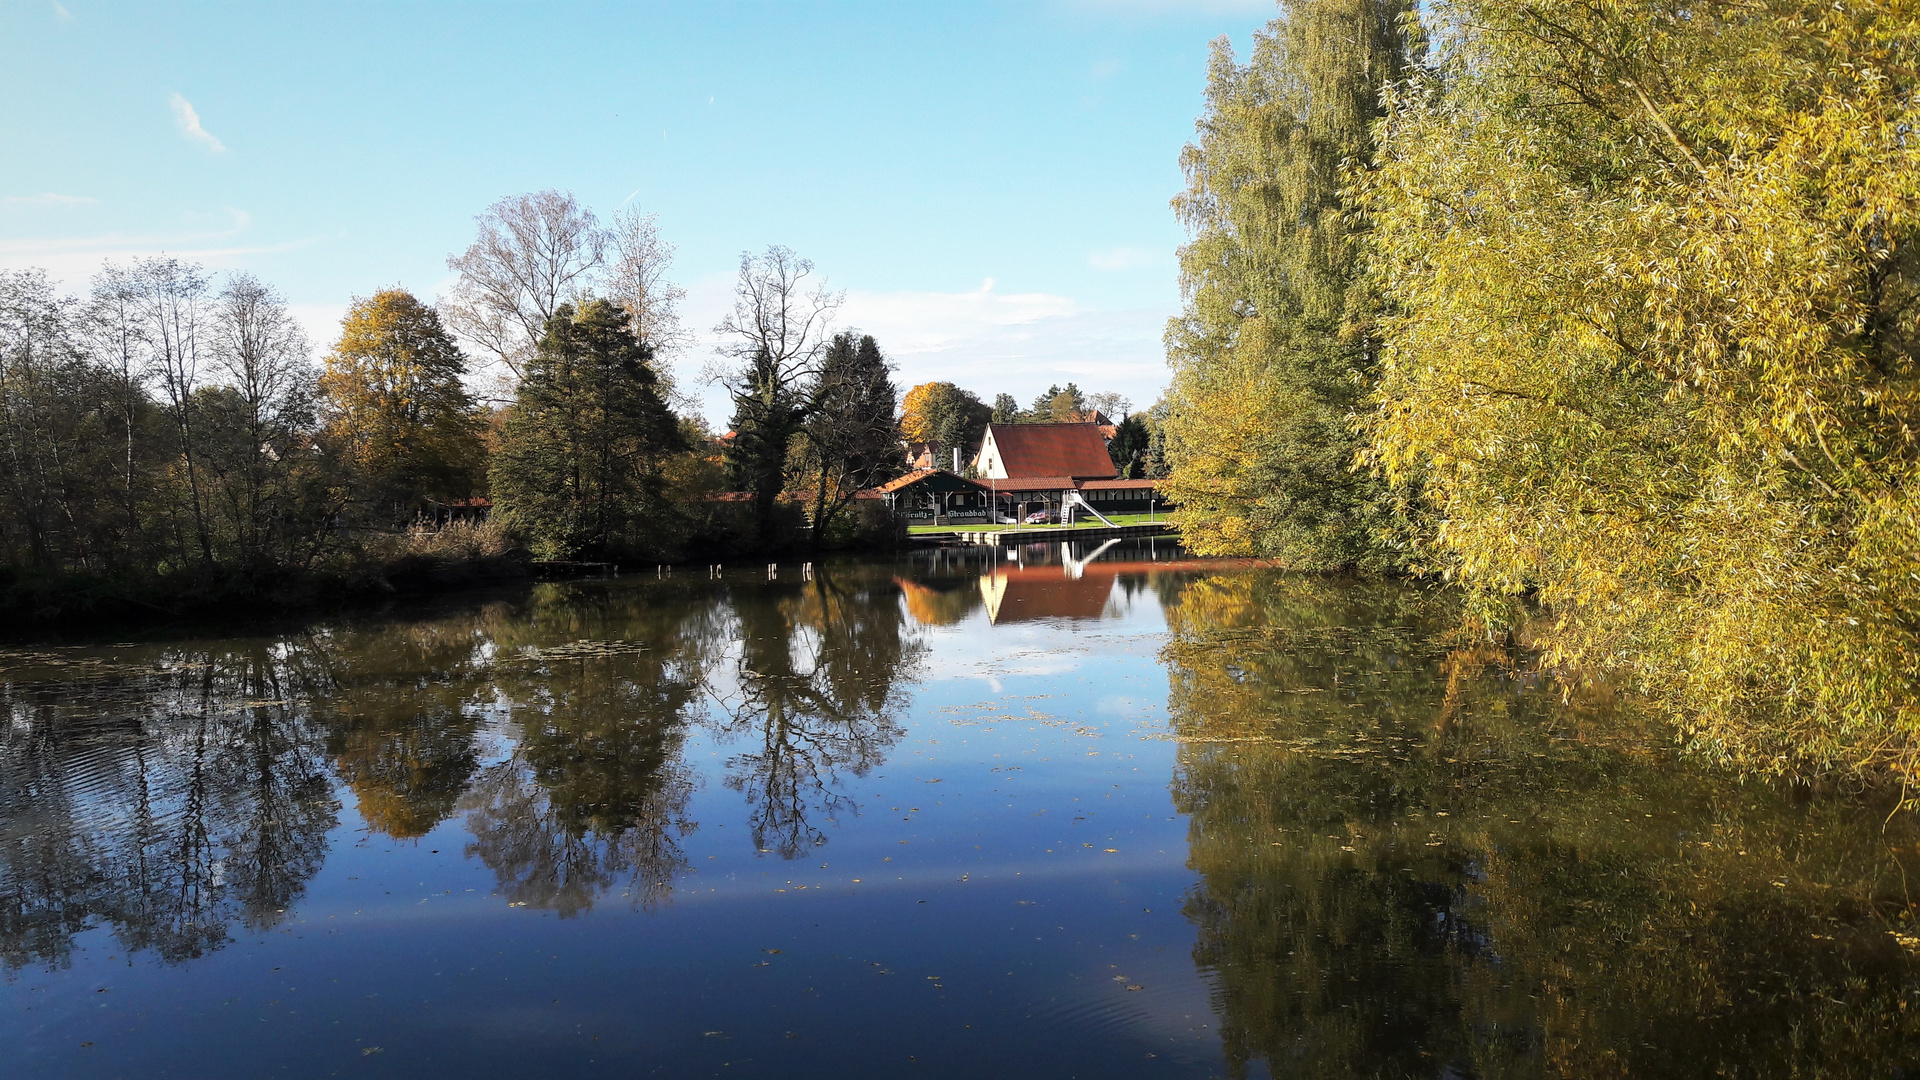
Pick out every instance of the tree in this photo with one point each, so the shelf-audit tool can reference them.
(777, 333)
(1006, 409)
(394, 404)
(262, 351)
(1058, 406)
(945, 417)
(534, 252)
(38, 411)
(168, 297)
(578, 468)
(1653, 275)
(1277, 340)
(636, 280)
(1109, 404)
(118, 343)
(1128, 447)
(851, 440)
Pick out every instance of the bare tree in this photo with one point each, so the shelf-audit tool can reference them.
(262, 351)
(777, 332)
(168, 297)
(636, 279)
(1113, 405)
(119, 342)
(534, 253)
(775, 313)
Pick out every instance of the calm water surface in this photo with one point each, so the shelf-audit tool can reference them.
(936, 816)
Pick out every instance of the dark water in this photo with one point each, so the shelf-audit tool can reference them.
(1133, 817)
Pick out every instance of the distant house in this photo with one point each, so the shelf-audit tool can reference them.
(935, 496)
(1017, 450)
(1061, 470)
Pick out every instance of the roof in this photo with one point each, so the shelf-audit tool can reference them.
(1111, 485)
(935, 479)
(1034, 483)
(1051, 450)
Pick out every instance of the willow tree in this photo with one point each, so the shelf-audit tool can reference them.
(1276, 341)
(1654, 352)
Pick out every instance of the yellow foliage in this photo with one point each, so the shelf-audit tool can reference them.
(1652, 348)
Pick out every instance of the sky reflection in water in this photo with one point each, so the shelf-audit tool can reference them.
(933, 816)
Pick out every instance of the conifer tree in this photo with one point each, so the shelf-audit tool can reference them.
(851, 440)
(1275, 345)
(768, 412)
(578, 469)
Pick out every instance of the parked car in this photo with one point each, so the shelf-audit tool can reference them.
(1038, 517)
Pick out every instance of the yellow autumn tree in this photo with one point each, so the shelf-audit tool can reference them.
(1651, 353)
(395, 407)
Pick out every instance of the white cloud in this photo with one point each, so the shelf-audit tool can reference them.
(1125, 258)
(48, 199)
(922, 322)
(60, 12)
(321, 322)
(189, 123)
(987, 341)
(73, 259)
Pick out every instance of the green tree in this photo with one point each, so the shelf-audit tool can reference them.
(1128, 447)
(578, 470)
(1006, 409)
(395, 407)
(1276, 342)
(851, 440)
(1058, 405)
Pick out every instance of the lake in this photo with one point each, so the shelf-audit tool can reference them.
(1066, 812)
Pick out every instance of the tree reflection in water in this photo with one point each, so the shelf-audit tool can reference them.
(593, 793)
(818, 677)
(168, 800)
(173, 793)
(1417, 861)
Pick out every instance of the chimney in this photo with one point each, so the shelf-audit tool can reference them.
(956, 459)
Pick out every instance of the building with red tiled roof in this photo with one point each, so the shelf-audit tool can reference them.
(1010, 451)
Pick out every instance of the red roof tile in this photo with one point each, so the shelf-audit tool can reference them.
(1052, 450)
(1032, 483)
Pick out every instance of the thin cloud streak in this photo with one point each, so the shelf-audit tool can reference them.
(48, 199)
(188, 122)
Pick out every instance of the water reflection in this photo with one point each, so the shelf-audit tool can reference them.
(1404, 854)
(1415, 861)
(818, 680)
(176, 792)
(168, 799)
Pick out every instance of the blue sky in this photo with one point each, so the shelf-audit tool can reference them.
(988, 181)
